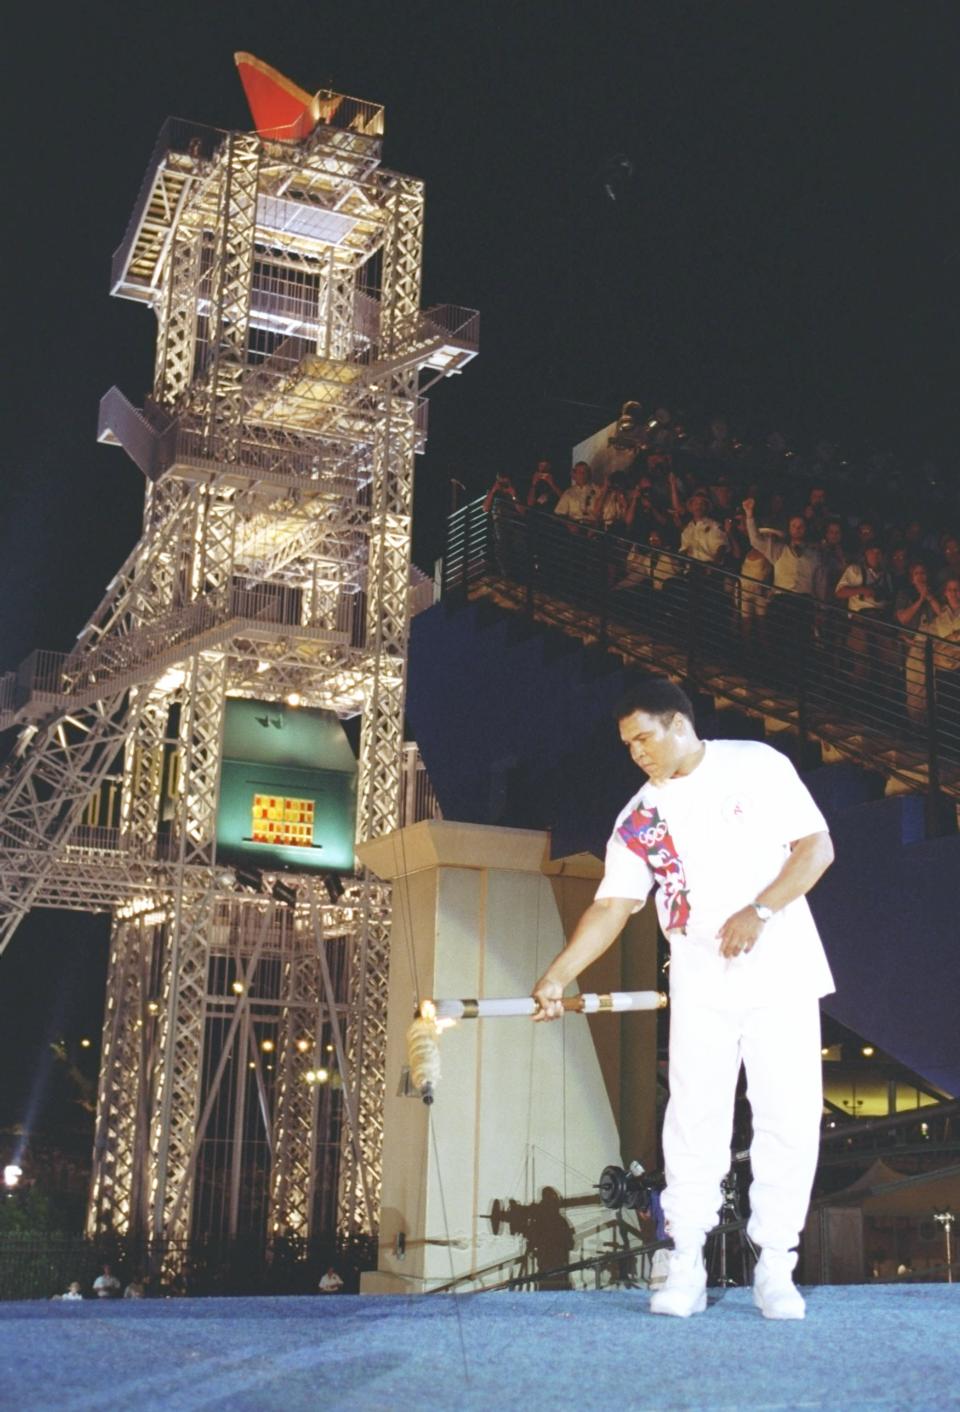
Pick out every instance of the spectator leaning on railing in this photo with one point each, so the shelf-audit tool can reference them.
(501, 503)
(866, 589)
(916, 607)
(946, 626)
(503, 488)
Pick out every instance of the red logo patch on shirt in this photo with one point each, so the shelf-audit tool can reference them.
(647, 835)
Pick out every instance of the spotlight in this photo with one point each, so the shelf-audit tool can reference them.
(630, 432)
(248, 879)
(11, 1175)
(334, 885)
(285, 894)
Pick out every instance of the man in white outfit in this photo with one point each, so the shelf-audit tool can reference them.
(732, 841)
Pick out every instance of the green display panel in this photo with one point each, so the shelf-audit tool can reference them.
(288, 789)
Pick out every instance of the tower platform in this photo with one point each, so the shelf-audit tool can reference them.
(860, 1347)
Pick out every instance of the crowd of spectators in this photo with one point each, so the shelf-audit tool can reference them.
(874, 541)
(107, 1285)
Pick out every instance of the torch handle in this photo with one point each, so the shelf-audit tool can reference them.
(585, 1004)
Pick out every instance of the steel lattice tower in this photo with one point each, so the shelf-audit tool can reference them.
(278, 448)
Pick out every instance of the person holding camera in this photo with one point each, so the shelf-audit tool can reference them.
(503, 488)
(544, 491)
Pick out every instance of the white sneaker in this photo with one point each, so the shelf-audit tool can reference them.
(684, 1292)
(659, 1268)
(774, 1293)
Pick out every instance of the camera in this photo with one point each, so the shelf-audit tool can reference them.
(629, 1187)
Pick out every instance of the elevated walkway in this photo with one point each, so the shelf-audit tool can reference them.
(51, 683)
(298, 403)
(880, 696)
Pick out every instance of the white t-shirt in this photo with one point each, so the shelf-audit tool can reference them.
(709, 842)
(703, 540)
(575, 502)
(858, 576)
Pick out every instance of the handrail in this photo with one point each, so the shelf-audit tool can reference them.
(196, 140)
(46, 681)
(878, 693)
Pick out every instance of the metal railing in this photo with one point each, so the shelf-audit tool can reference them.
(417, 798)
(187, 443)
(40, 1265)
(453, 320)
(58, 679)
(870, 690)
(337, 113)
(177, 135)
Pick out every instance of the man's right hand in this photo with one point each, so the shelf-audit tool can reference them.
(749, 505)
(548, 994)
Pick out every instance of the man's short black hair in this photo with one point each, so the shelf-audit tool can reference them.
(655, 696)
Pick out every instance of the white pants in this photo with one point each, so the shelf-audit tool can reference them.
(780, 1049)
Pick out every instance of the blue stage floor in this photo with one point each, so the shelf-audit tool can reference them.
(860, 1347)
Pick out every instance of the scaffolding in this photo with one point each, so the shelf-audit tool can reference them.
(277, 447)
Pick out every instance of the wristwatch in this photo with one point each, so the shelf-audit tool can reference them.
(764, 913)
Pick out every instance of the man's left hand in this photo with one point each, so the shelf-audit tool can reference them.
(740, 933)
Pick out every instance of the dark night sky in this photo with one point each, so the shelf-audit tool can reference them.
(786, 251)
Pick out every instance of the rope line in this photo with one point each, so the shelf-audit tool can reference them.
(446, 1228)
(406, 910)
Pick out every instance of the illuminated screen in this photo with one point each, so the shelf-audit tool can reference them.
(288, 789)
